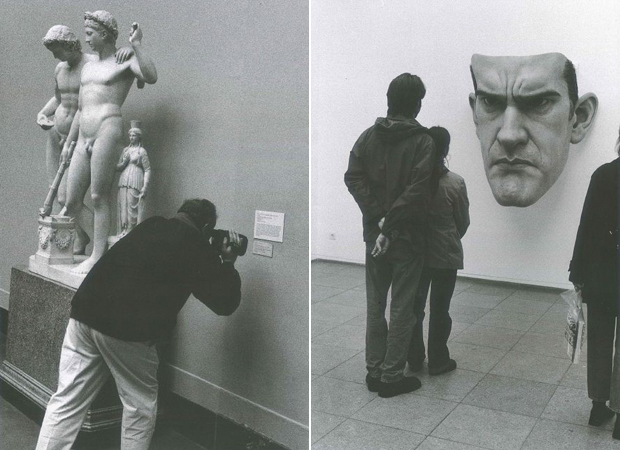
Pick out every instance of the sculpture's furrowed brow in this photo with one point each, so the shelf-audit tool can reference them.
(490, 95)
(533, 96)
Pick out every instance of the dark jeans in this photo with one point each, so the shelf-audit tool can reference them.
(601, 329)
(442, 283)
(386, 347)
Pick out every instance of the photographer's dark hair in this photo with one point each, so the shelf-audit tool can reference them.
(441, 137)
(405, 94)
(200, 210)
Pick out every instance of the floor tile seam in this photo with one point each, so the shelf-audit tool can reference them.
(499, 328)
(521, 379)
(542, 354)
(583, 425)
(322, 332)
(354, 318)
(339, 346)
(453, 336)
(514, 310)
(466, 394)
(383, 425)
(536, 418)
(529, 434)
(460, 442)
(446, 416)
(343, 362)
(554, 357)
(464, 403)
(489, 346)
(390, 427)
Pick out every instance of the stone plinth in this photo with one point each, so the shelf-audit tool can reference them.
(61, 273)
(38, 317)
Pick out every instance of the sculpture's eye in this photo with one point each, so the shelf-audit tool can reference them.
(489, 101)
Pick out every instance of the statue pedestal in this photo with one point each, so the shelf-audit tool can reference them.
(54, 258)
(38, 316)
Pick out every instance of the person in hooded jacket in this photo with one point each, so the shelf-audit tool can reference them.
(389, 174)
(448, 222)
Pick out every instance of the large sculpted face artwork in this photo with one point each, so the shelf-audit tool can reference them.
(527, 113)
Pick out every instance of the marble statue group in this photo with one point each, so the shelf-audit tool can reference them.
(85, 132)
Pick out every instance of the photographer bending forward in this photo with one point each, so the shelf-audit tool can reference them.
(128, 302)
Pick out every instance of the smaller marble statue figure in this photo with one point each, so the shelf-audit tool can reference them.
(133, 184)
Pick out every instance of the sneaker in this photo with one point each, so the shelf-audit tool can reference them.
(373, 383)
(402, 386)
(448, 367)
(616, 432)
(600, 414)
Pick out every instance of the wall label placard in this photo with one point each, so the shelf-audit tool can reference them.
(269, 226)
(262, 248)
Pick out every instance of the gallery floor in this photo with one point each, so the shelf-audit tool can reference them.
(514, 387)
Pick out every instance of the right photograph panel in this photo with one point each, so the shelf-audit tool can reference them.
(464, 203)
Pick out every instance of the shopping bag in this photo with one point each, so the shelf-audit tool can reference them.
(575, 324)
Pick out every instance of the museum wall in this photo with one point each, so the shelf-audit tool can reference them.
(227, 120)
(359, 47)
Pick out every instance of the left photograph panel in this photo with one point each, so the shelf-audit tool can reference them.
(154, 267)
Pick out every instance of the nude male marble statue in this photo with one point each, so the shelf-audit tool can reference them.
(98, 127)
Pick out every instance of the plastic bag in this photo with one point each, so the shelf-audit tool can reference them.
(575, 324)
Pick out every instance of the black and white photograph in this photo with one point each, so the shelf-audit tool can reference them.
(155, 231)
(464, 199)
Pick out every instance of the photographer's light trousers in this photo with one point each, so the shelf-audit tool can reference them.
(87, 359)
(386, 346)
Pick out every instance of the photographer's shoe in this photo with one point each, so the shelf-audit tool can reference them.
(402, 386)
(373, 383)
(616, 432)
(448, 367)
(600, 414)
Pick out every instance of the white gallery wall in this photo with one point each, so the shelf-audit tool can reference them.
(358, 47)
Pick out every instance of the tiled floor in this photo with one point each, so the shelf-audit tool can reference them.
(514, 387)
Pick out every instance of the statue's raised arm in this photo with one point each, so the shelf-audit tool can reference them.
(142, 65)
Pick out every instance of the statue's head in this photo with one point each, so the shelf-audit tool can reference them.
(404, 95)
(527, 112)
(100, 27)
(61, 41)
(135, 132)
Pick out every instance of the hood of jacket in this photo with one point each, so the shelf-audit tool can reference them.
(396, 128)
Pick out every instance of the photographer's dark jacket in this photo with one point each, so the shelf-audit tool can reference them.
(136, 289)
(595, 257)
(389, 171)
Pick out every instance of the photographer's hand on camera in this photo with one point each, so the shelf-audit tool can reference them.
(228, 254)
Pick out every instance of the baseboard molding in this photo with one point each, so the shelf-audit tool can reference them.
(272, 425)
(471, 276)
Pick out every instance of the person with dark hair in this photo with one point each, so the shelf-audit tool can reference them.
(527, 112)
(128, 302)
(594, 272)
(448, 222)
(389, 174)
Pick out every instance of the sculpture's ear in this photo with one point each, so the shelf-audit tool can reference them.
(472, 105)
(585, 111)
